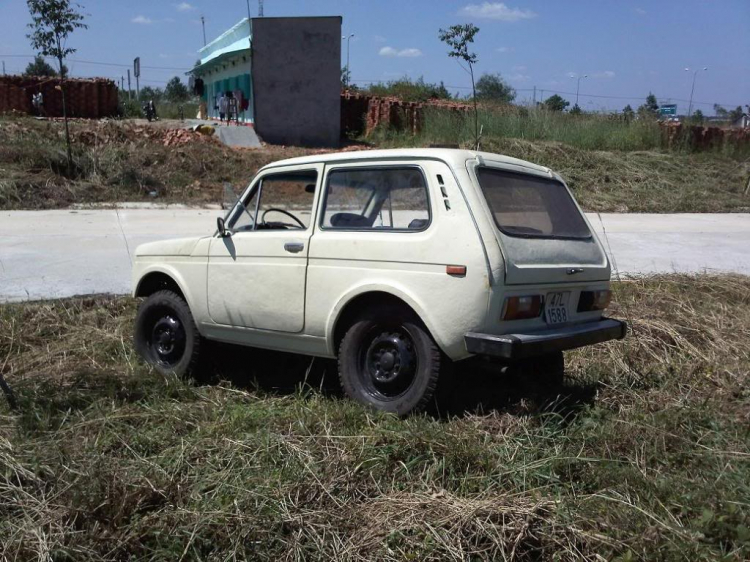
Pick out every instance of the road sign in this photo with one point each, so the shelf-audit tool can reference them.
(137, 67)
(668, 109)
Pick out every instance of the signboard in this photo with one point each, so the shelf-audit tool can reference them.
(668, 109)
(137, 67)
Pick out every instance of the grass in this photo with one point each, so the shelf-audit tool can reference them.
(645, 453)
(120, 161)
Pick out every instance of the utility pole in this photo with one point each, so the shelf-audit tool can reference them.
(248, 9)
(129, 95)
(203, 23)
(533, 103)
(122, 83)
(3, 68)
(348, 38)
(692, 89)
(137, 72)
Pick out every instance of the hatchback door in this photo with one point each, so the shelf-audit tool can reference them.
(542, 232)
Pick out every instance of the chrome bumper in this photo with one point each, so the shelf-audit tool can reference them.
(533, 344)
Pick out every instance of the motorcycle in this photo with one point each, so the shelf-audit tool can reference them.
(149, 111)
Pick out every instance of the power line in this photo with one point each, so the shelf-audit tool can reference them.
(120, 65)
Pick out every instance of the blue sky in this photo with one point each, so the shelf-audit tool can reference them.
(626, 48)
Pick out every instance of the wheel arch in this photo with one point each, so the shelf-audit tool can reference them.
(160, 280)
(346, 312)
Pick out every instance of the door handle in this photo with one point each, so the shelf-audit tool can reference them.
(294, 247)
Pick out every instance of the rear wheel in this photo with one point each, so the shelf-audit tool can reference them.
(389, 362)
(166, 335)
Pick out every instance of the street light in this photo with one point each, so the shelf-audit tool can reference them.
(348, 38)
(578, 86)
(692, 89)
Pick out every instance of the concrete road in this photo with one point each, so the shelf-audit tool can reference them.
(53, 254)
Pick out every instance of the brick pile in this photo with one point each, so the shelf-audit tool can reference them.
(701, 138)
(362, 113)
(88, 98)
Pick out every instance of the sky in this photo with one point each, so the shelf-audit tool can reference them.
(626, 49)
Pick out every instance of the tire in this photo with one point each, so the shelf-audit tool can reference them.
(166, 335)
(389, 362)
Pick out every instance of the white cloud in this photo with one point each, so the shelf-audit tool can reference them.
(505, 49)
(640, 11)
(519, 77)
(143, 20)
(410, 53)
(380, 39)
(605, 74)
(391, 52)
(495, 11)
(184, 7)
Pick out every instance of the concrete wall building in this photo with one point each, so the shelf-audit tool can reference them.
(287, 74)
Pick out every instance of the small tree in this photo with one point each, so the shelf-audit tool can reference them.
(650, 109)
(40, 67)
(575, 110)
(148, 93)
(556, 103)
(720, 111)
(346, 77)
(176, 91)
(458, 38)
(628, 113)
(735, 114)
(698, 117)
(492, 87)
(52, 21)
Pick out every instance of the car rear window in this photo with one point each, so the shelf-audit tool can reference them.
(531, 207)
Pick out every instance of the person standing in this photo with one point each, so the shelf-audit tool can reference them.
(223, 106)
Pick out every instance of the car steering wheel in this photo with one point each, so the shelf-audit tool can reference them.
(283, 212)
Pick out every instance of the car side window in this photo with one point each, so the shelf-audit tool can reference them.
(387, 198)
(286, 201)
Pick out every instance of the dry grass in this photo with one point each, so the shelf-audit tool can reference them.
(645, 454)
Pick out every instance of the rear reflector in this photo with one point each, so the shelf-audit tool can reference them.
(594, 300)
(456, 270)
(521, 308)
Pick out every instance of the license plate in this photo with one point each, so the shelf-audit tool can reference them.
(556, 308)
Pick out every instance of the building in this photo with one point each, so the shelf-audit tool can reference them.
(742, 122)
(287, 72)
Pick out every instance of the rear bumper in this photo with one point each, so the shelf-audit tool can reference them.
(520, 346)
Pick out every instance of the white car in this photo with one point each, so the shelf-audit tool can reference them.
(395, 262)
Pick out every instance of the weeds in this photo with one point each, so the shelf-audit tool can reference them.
(645, 454)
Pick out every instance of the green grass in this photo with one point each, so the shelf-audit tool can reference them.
(644, 455)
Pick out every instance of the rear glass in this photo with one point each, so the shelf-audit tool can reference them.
(531, 207)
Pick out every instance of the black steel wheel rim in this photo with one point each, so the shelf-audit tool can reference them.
(168, 339)
(388, 362)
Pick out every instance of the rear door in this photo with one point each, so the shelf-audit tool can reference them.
(542, 232)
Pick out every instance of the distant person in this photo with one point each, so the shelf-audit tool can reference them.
(223, 107)
(37, 100)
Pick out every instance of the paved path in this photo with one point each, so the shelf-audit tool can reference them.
(52, 254)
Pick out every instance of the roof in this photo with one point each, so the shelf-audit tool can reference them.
(236, 38)
(453, 157)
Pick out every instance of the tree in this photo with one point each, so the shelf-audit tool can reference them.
(148, 93)
(697, 117)
(628, 113)
(575, 110)
(176, 91)
(491, 87)
(735, 114)
(720, 111)
(650, 108)
(458, 38)
(40, 67)
(346, 77)
(52, 21)
(556, 103)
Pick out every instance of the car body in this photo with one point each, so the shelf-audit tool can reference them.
(486, 254)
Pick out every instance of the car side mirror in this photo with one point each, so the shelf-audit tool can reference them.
(222, 228)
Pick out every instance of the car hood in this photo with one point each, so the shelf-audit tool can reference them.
(175, 247)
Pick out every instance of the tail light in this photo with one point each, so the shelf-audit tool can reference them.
(594, 300)
(522, 308)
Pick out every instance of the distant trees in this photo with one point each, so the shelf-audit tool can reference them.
(148, 93)
(411, 90)
(628, 113)
(735, 114)
(346, 77)
(697, 117)
(458, 38)
(556, 103)
(575, 110)
(41, 67)
(176, 91)
(492, 87)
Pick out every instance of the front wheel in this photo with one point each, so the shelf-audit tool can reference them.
(389, 362)
(166, 335)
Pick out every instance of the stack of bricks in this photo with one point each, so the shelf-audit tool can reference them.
(90, 98)
(701, 138)
(361, 113)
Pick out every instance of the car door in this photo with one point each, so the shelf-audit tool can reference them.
(256, 274)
